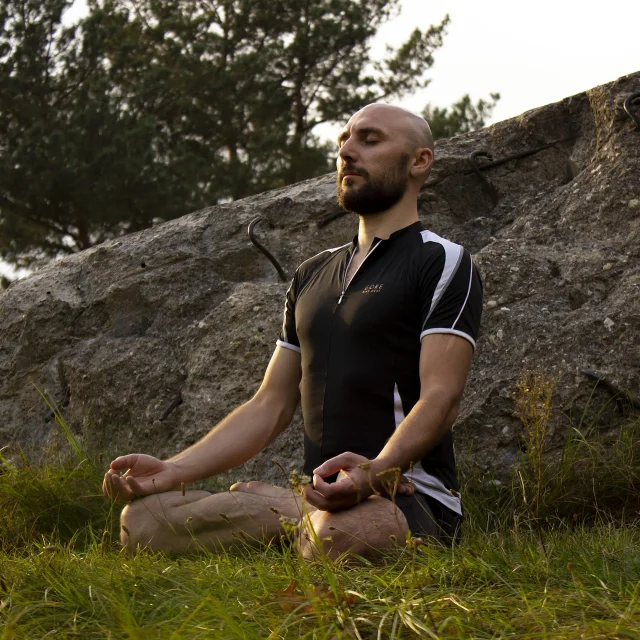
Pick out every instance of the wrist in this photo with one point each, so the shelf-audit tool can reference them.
(385, 475)
(179, 472)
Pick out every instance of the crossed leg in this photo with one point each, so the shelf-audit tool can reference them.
(367, 529)
(246, 514)
(249, 513)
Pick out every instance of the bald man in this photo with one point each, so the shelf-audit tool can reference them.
(376, 344)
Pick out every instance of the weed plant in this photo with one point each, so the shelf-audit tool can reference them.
(554, 554)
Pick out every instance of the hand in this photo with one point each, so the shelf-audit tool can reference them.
(144, 475)
(358, 479)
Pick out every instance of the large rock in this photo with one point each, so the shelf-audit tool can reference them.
(190, 309)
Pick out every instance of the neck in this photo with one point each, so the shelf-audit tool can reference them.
(382, 225)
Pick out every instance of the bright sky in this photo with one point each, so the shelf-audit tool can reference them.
(531, 53)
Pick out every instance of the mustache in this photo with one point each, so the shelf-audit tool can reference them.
(353, 170)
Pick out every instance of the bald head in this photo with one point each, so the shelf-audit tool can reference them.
(384, 153)
(415, 128)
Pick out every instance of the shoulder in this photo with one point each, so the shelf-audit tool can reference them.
(446, 261)
(433, 254)
(313, 264)
(433, 246)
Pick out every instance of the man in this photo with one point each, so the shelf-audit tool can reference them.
(376, 343)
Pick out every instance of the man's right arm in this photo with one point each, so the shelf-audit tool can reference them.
(240, 436)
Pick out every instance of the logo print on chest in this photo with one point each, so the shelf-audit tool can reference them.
(373, 288)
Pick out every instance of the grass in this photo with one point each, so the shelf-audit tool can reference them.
(586, 584)
(553, 554)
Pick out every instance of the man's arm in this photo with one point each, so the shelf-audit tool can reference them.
(240, 436)
(444, 365)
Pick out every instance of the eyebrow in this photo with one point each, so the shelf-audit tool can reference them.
(362, 133)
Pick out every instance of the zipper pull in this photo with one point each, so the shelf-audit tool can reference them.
(340, 298)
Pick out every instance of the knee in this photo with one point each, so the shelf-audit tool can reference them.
(137, 526)
(319, 537)
(366, 530)
(331, 535)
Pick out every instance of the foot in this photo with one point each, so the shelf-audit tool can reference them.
(285, 501)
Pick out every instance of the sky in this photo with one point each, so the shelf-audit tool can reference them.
(531, 53)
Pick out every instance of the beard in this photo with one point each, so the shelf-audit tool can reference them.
(376, 195)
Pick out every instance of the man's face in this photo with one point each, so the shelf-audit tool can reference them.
(373, 172)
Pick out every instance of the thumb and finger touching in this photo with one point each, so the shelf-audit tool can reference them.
(143, 476)
(124, 462)
(116, 488)
(339, 463)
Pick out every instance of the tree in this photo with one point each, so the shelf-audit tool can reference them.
(462, 116)
(268, 73)
(149, 109)
(77, 165)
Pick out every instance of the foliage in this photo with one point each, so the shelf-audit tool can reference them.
(59, 500)
(148, 109)
(533, 406)
(499, 586)
(461, 117)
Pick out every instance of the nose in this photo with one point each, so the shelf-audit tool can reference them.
(347, 153)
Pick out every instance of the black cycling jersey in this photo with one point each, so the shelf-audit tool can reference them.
(360, 344)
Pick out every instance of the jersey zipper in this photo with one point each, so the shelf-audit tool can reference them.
(344, 280)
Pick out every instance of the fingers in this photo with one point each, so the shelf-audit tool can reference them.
(139, 488)
(406, 488)
(340, 487)
(115, 488)
(106, 487)
(343, 461)
(125, 462)
(316, 499)
(333, 497)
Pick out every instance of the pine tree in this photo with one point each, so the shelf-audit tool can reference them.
(461, 117)
(149, 109)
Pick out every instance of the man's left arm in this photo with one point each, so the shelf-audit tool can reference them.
(444, 365)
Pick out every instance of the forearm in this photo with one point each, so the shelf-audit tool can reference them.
(240, 436)
(429, 420)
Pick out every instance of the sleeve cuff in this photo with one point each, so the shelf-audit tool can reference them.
(287, 345)
(466, 336)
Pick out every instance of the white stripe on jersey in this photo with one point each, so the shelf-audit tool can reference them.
(284, 320)
(464, 304)
(453, 256)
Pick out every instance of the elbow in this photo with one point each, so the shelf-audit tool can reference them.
(284, 418)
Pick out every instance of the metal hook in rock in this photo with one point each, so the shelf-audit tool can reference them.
(634, 99)
(263, 249)
(476, 169)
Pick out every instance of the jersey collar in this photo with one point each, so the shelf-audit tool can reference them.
(416, 226)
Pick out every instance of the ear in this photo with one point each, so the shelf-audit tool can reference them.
(422, 161)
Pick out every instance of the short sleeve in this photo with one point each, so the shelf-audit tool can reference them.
(288, 334)
(450, 292)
